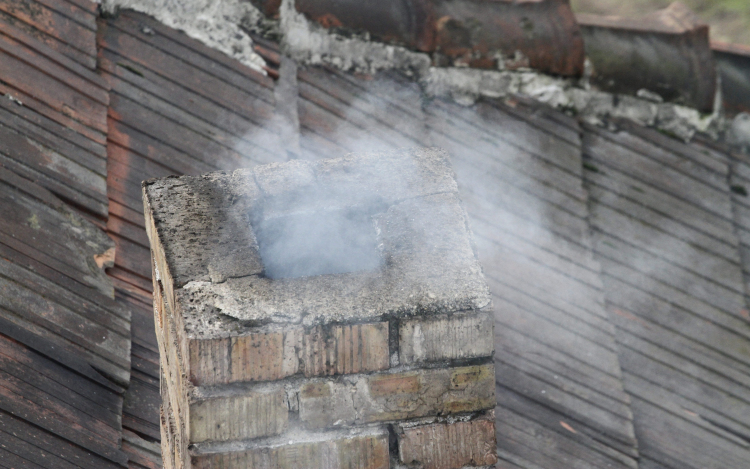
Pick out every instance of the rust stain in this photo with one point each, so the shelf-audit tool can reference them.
(328, 20)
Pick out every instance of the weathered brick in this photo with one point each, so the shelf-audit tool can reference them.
(326, 404)
(397, 396)
(263, 357)
(466, 335)
(251, 415)
(345, 349)
(449, 446)
(427, 392)
(357, 452)
(273, 355)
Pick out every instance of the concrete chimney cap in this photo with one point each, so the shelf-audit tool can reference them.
(214, 233)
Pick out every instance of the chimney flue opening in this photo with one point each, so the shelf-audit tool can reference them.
(318, 243)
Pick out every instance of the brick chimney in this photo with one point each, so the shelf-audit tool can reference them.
(326, 314)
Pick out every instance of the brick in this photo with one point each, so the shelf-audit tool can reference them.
(446, 338)
(345, 349)
(355, 452)
(449, 445)
(326, 404)
(395, 384)
(270, 356)
(397, 396)
(263, 357)
(252, 415)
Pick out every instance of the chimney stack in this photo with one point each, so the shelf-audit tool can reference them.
(326, 314)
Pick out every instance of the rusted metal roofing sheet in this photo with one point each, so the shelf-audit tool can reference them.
(733, 65)
(542, 35)
(409, 23)
(666, 53)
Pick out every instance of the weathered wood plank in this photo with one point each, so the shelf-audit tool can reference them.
(29, 364)
(527, 247)
(20, 406)
(52, 164)
(605, 330)
(74, 197)
(493, 120)
(45, 110)
(654, 314)
(52, 403)
(549, 418)
(545, 283)
(484, 220)
(384, 102)
(129, 281)
(566, 396)
(118, 210)
(674, 442)
(673, 152)
(28, 122)
(606, 155)
(199, 55)
(33, 312)
(125, 81)
(692, 382)
(50, 447)
(646, 242)
(621, 186)
(72, 97)
(523, 349)
(52, 23)
(574, 345)
(80, 294)
(253, 138)
(697, 414)
(548, 447)
(94, 308)
(135, 258)
(83, 157)
(490, 175)
(46, 53)
(141, 406)
(666, 273)
(176, 62)
(178, 137)
(72, 240)
(127, 230)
